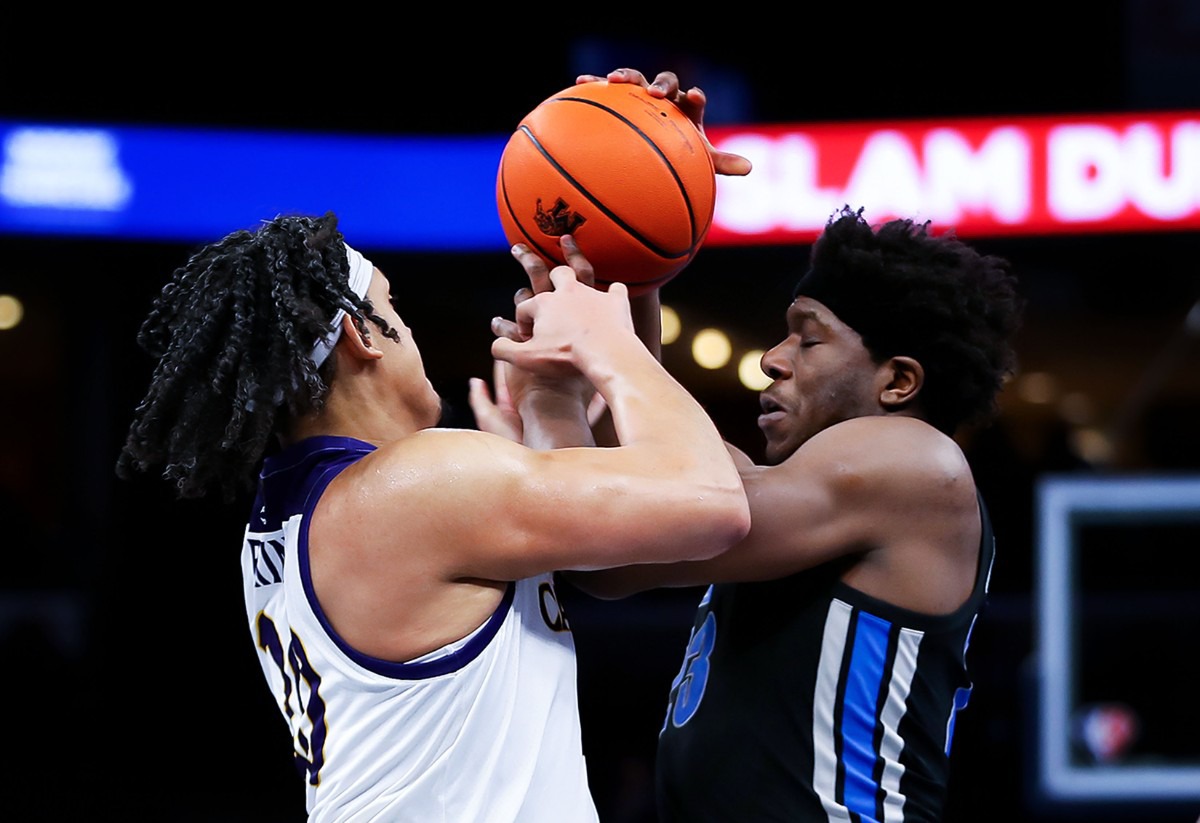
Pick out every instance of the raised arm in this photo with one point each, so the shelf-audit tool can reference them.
(546, 413)
(668, 492)
(539, 411)
(551, 419)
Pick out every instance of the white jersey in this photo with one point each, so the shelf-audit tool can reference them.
(485, 729)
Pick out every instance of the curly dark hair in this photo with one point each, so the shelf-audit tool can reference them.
(909, 292)
(233, 333)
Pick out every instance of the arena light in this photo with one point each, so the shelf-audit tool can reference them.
(750, 371)
(711, 348)
(671, 325)
(11, 312)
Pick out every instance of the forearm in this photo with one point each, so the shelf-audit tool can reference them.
(646, 312)
(645, 401)
(671, 464)
(654, 414)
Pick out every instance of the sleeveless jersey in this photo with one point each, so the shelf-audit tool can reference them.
(485, 729)
(803, 699)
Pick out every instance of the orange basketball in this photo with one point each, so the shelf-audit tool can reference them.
(626, 174)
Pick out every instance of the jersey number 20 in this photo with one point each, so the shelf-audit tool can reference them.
(301, 698)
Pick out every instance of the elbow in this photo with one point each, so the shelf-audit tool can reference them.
(738, 526)
(742, 527)
(728, 523)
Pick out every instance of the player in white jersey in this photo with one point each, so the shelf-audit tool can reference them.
(429, 727)
(398, 576)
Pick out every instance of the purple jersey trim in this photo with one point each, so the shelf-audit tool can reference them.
(316, 461)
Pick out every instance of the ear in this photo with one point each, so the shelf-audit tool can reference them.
(360, 345)
(903, 378)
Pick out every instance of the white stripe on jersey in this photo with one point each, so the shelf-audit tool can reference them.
(825, 761)
(833, 647)
(903, 671)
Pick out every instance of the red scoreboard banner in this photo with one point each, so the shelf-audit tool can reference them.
(981, 176)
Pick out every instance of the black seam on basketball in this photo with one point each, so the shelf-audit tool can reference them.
(588, 195)
(682, 188)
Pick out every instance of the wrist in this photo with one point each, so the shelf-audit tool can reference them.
(554, 417)
(557, 399)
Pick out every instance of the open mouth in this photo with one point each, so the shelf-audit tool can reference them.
(768, 405)
(772, 412)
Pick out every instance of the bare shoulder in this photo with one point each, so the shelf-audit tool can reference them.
(890, 456)
(413, 460)
(917, 512)
(431, 443)
(406, 480)
(393, 523)
(864, 475)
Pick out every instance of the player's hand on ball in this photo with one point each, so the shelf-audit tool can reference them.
(538, 271)
(514, 385)
(625, 173)
(554, 330)
(691, 102)
(577, 260)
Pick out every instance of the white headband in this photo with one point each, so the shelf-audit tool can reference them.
(359, 278)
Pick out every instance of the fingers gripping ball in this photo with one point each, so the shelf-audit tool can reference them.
(627, 175)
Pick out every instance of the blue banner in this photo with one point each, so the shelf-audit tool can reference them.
(195, 185)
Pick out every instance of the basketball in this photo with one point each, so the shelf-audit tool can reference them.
(626, 174)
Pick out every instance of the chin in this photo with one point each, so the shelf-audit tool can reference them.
(774, 454)
(777, 451)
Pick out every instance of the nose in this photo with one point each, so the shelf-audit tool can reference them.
(773, 363)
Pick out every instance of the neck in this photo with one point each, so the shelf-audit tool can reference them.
(352, 410)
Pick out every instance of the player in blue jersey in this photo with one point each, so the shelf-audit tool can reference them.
(827, 660)
(398, 576)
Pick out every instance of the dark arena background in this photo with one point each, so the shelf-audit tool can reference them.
(129, 680)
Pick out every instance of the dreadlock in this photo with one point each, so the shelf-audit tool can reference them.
(233, 333)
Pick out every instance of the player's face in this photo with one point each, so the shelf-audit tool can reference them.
(822, 374)
(404, 358)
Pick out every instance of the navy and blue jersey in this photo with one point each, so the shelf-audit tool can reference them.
(803, 699)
